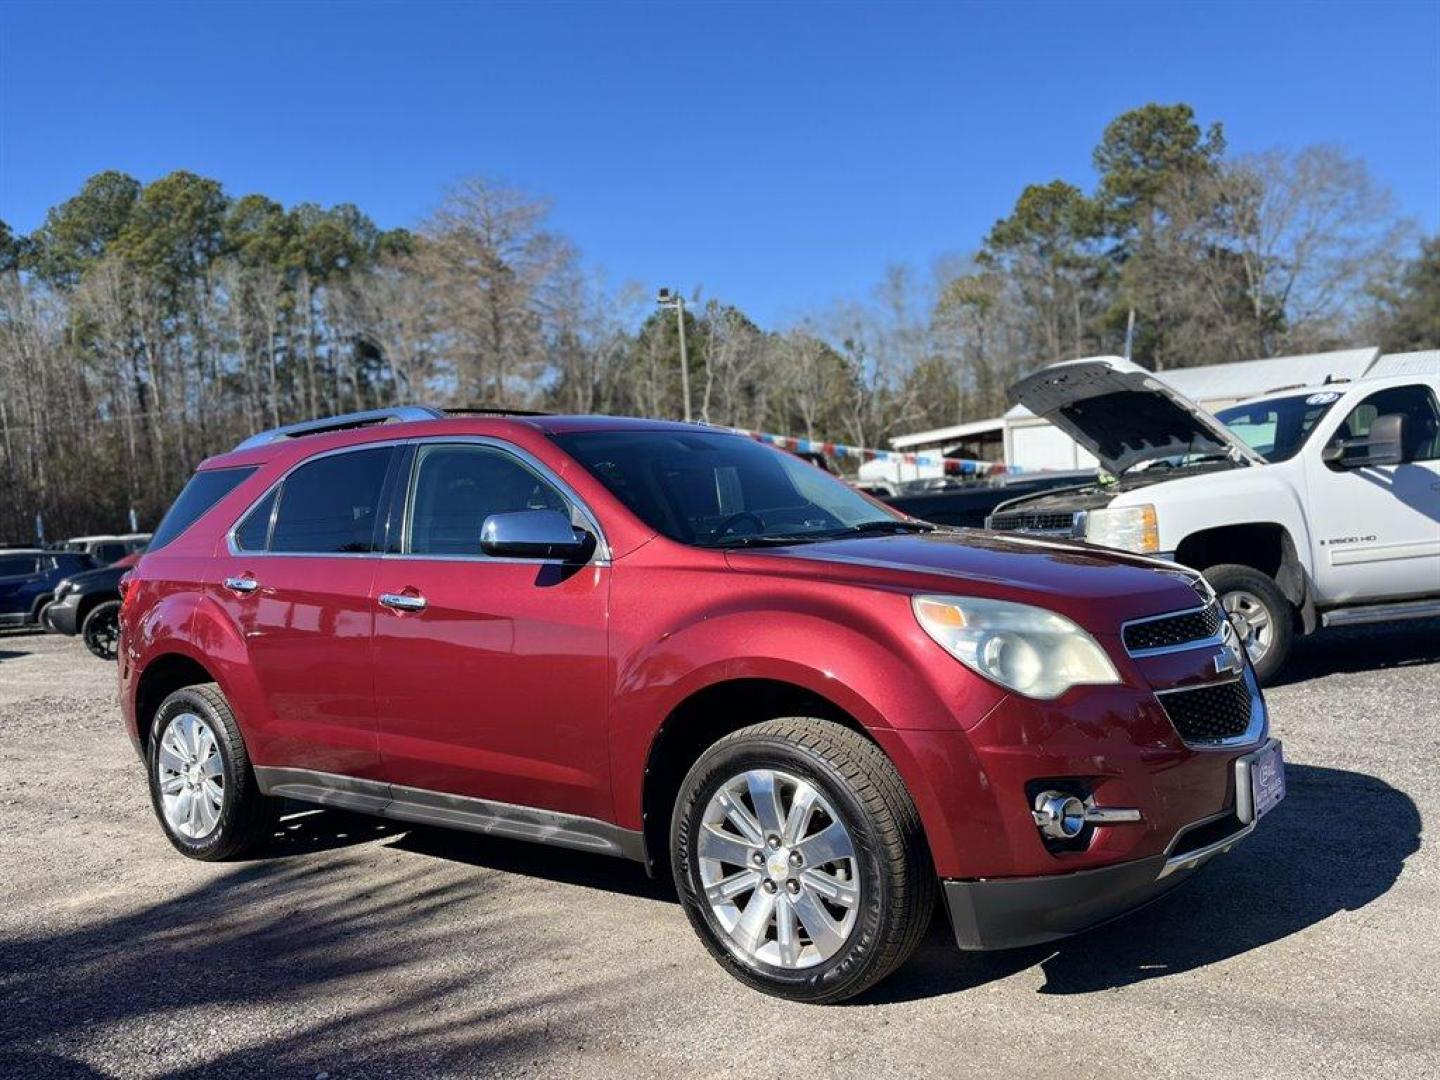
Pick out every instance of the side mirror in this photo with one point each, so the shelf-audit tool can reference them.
(533, 534)
(1385, 445)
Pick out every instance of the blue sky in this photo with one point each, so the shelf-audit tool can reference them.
(780, 155)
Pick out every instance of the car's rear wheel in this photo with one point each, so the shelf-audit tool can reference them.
(101, 630)
(1264, 620)
(201, 783)
(800, 860)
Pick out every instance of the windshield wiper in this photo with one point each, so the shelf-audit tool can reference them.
(874, 528)
(760, 540)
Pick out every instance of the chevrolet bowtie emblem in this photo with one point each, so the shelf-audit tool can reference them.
(1229, 660)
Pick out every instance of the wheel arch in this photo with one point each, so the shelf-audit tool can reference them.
(708, 715)
(1266, 546)
(161, 677)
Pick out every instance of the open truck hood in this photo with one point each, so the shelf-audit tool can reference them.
(1123, 414)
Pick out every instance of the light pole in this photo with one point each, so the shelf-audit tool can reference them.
(668, 298)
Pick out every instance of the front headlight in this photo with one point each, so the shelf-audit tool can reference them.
(1026, 649)
(1129, 528)
(65, 589)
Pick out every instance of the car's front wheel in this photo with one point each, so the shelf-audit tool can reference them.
(201, 783)
(800, 860)
(1264, 620)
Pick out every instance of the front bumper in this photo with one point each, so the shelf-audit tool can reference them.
(1007, 913)
(62, 616)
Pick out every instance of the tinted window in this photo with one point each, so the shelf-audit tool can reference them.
(458, 487)
(1415, 403)
(330, 505)
(108, 553)
(254, 531)
(15, 565)
(709, 488)
(203, 491)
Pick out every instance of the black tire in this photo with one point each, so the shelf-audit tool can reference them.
(247, 817)
(1231, 583)
(101, 629)
(897, 897)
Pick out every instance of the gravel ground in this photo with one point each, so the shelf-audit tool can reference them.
(364, 949)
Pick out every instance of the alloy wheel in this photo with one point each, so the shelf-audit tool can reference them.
(191, 776)
(1252, 622)
(779, 870)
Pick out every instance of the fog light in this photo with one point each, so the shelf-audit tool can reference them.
(1059, 815)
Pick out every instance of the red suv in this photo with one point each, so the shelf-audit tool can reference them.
(680, 646)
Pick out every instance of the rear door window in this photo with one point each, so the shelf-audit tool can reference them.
(331, 506)
(203, 491)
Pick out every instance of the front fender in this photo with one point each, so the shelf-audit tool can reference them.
(861, 662)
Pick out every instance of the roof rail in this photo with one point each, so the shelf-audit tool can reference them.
(399, 413)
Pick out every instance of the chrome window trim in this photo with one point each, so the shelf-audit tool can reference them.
(1217, 638)
(1254, 731)
(601, 556)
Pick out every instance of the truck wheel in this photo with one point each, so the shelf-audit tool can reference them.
(101, 630)
(201, 783)
(800, 861)
(1263, 618)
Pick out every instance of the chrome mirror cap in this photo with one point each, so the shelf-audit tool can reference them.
(533, 534)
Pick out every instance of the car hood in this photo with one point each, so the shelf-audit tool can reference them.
(1096, 587)
(1123, 414)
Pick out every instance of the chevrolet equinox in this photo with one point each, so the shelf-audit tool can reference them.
(678, 645)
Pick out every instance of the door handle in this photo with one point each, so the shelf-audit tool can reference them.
(402, 602)
(241, 584)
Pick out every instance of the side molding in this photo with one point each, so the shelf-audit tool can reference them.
(452, 811)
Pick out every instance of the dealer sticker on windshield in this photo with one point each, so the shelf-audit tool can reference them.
(1322, 398)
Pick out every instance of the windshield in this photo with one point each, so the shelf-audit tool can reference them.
(714, 489)
(1277, 428)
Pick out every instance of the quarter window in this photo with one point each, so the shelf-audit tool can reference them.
(330, 506)
(457, 487)
(253, 534)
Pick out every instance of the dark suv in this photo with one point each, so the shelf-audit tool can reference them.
(28, 577)
(677, 645)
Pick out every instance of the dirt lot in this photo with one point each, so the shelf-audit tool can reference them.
(363, 949)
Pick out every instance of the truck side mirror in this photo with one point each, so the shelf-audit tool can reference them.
(1385, 445)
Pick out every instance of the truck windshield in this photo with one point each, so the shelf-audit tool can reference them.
(714, 489)
(1277, 428)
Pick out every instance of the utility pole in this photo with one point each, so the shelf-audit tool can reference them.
(671, 299)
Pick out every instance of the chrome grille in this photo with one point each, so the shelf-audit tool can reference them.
(1180, 629)
(1032, 521)
(1210, 714)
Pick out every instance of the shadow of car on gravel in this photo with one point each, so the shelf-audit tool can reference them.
(1276, 883)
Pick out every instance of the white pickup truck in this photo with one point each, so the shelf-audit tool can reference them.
(1305, 507)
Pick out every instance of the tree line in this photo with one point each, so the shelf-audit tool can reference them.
(145, 326)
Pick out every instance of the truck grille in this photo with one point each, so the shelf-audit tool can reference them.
(1209, 714)
(1172, 631)
(1032, 521)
